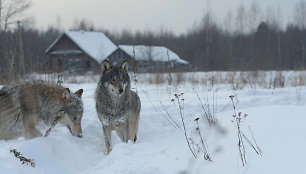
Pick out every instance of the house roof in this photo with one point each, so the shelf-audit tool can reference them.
(156, 53)
(95, 44)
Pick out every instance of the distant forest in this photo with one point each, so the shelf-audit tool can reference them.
(244, 41)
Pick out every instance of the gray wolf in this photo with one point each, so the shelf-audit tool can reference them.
(26, 106)
(117, 106)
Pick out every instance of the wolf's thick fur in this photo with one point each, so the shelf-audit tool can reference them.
(24, 106)
(118, 107)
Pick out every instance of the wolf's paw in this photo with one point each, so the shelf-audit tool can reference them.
(135, 139)
(108, 151)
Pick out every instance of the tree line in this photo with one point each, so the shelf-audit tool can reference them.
(245, 41)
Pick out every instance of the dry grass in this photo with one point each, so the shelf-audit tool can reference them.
(179, 100)
(238, 119)
(22, 159)
(236, 80)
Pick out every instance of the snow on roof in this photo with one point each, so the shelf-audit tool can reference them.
(156, 53)
(95, 44)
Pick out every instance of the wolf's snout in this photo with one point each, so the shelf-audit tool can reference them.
(80, 135)
(121, 90)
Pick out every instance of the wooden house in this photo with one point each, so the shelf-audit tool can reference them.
(79, 51)
(148, 58)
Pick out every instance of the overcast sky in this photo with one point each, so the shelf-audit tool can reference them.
(175, 15)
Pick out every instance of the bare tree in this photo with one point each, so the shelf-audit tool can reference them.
(274, 17)
(300, 20)
(11, 11)
(58, 22)
(254, 17)
(0, 13)
(82, 24)
(241, 19)
(300, 14)
(228, 22)
(208, 27)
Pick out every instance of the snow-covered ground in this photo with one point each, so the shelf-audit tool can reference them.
(277, 119)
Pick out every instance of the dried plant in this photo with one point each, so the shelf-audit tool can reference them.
(237, 121)
(179, 98)
(170, 116)
(195, 146)
(210, 114)
(204, 148)
(22, 159)
(279, 80)
(134, 70)
(59, 80)
(173, 123)
(170, 79)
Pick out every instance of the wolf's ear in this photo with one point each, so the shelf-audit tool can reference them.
(125, 65)
(105, 66)
(79, 93)
(66, 94)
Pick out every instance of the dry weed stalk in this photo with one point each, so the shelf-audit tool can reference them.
(298, 94)
(210, 115)
(259, 152)
(237, 121)
(170, 115)
(22, 159)
(180, 101)
(170, 79)
(59, 74)
(158, 111)
(134, 70)
(204, 147)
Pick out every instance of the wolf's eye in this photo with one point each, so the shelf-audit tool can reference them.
(113, 81)
(74, 118)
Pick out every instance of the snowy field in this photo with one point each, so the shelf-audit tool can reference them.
(277, 118)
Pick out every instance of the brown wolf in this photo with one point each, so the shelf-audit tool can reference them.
(24, 106)
(118, 107)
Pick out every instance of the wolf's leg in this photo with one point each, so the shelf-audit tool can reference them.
(133, 126)
(29, 123)
(107, 138)
(121, 131)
